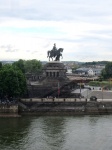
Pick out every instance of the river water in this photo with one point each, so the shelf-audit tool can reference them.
(56, 133)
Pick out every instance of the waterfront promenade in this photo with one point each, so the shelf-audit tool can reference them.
(105, 95)
(69, 106)
(61, 100)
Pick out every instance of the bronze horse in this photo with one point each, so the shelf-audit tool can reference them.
(55, 54)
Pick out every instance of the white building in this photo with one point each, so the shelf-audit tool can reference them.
(85, 71)
(69, 71)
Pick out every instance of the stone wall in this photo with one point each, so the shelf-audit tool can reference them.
(9, 110)
(66, 107)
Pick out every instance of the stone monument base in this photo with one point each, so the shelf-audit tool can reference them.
(54, 72)
(54, 82)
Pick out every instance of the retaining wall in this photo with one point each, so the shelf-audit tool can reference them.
(9, 110)
(66, 107)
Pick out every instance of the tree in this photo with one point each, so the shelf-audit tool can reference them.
(12, 82)
(0, 65)
(74, 67)
(107, 72)
(28, 66)
(20, 64)
(33, 66)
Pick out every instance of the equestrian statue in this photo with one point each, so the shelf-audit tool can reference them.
(55, 53)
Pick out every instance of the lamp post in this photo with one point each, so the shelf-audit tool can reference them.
(102, 93)
(58, 89)
(87, 94)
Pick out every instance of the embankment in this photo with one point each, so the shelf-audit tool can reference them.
(52, 107)
(9, 110)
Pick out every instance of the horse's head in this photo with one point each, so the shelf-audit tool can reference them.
(61, 49)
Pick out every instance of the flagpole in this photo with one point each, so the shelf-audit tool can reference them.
(102, 93)
(58, 90)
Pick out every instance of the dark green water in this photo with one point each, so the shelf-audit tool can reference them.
(56, 133)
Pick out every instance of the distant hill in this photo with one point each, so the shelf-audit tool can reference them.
(96, 63)
(66, 62)
(7, 62)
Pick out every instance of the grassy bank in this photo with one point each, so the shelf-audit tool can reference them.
(101, 83)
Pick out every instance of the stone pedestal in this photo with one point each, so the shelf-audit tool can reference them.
(54, 82)
(54, 72)
(54, 69)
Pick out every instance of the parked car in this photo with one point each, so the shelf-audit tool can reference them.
(93, 98)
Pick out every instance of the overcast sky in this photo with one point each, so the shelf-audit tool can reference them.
(29, 28)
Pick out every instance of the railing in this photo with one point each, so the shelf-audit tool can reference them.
(61, 100)
(53, 100)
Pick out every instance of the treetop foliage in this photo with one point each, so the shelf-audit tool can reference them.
(96, 63)
(12, 81)
(107, 72)
(12, 77)
(29, 66)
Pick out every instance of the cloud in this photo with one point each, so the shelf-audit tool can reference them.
(55, 10)
(29, 28)
(8, 48)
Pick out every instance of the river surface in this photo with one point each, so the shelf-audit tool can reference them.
(56, 133)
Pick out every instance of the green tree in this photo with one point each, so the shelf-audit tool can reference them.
(33, 66)
(107, 72)
(12, 82)
(74, 67)
(0, 65)
(103, 75)
(20, 64)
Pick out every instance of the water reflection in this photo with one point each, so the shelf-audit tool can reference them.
(93, 120)
(54, 130)
(56, 133)
(12, 132)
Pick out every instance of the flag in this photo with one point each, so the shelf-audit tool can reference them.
(58, 89)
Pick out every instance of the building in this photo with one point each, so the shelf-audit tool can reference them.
(97, 71)
(84, 71)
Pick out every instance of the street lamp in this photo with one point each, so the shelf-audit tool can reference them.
(102, 93)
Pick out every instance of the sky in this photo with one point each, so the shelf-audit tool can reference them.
(29, 28)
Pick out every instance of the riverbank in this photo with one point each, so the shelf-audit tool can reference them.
(43, 107)
(9, 110)
(65, 107)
